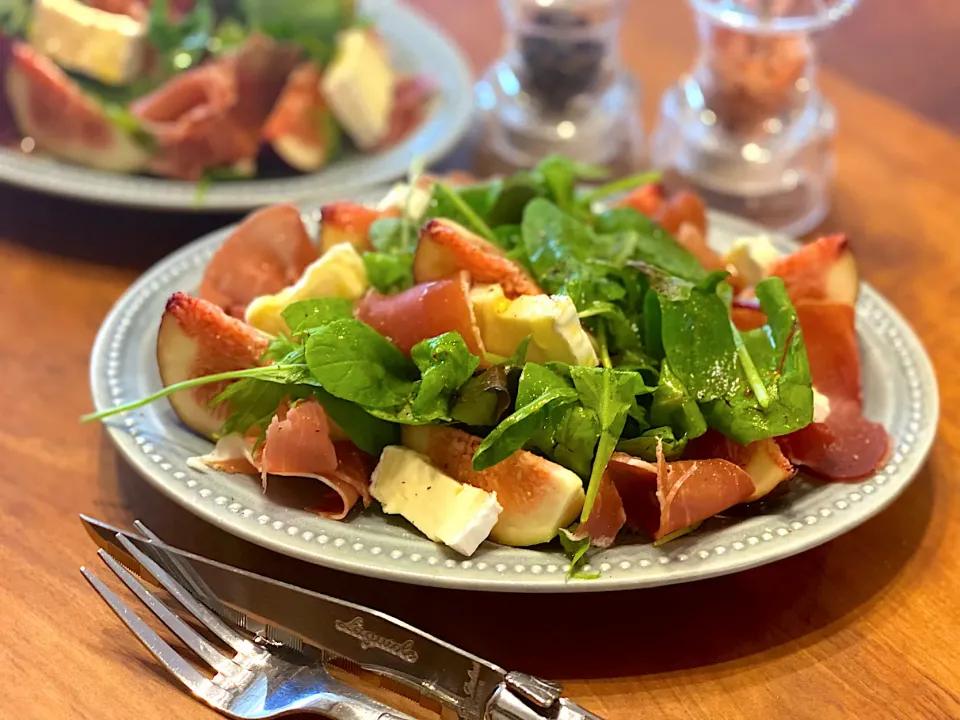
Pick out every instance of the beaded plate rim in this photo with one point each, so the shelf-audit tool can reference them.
(154, 444)
(418, 44)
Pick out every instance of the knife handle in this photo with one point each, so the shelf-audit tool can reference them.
(506, 705)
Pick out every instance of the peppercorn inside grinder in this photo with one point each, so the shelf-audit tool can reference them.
(559, 87)
(747, 128)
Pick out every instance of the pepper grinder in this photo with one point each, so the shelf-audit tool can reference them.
(560, 87)
(747, 128)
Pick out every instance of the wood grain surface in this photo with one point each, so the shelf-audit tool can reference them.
(866, 626)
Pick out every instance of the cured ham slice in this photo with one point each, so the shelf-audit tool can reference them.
(298, 444)
(211, 116)
(829, 333)
(763, 460)
(446, 247)
(190, 118)
(845, 446)
(606, 518)
(424, 311)
(267, 252)
(670, 496)
(411, 96)
(49, 107)
(671, 213)
(645, 199)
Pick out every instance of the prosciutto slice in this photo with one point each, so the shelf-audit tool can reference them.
(267, 252)
(762, 460)
(607, 516)
(844, 445)
(298, 444)
(424, 311)
(665, 497)
(211, 116)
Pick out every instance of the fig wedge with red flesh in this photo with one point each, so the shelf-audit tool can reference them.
(197, 338)
(446, 247)
(538, 497)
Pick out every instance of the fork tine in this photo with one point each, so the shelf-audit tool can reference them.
(190, 637)
(206, 616)
(167, 656)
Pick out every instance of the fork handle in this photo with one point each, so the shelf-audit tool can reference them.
(339, 701)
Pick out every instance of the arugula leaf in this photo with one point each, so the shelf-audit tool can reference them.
(650, 243)
(310, 25)
(483, 399)
(540, 390)
(609, 394)
(464, 213)
(181, 43)
(780, 359)
(576, 550)
(560, 176)
(352, 361)
(618, 186)
(445, 363)
(14, 15)
(306, 315)
(513, 196)
(447, 203)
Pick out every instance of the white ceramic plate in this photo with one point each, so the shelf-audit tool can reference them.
(418, 45)
(900, 391)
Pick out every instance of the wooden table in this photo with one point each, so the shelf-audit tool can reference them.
(867, 626)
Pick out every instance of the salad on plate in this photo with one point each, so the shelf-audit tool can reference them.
(522, 360)
(200, 89)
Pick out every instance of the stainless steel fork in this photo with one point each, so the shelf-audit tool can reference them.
(257, 682)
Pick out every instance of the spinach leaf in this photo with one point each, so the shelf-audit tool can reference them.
(779, 356)
(698, 342)
(513, 196)
(650, 243)
(368, 433)
(560, 176)
(389, 272)
(483, 399)
(445, 363)
(309, 314)
(352, 361)
(672, 405)
(559, 248)
(576, 550)
(645, 445)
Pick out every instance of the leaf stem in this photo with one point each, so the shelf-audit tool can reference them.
(604, 350)
(619, 185)
(753, 377)
(176, 387)
(475, 220)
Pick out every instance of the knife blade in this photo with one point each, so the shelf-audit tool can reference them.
(284, 613)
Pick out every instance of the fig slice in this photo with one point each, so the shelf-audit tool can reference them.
(538, 497)
(446, 247)
(823, 270)
(49, 107)
(197, 338)
(349, 222)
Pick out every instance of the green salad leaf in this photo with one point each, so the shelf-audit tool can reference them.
(445, 363)
(312, 25)
(305, 315)
(354, 362)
